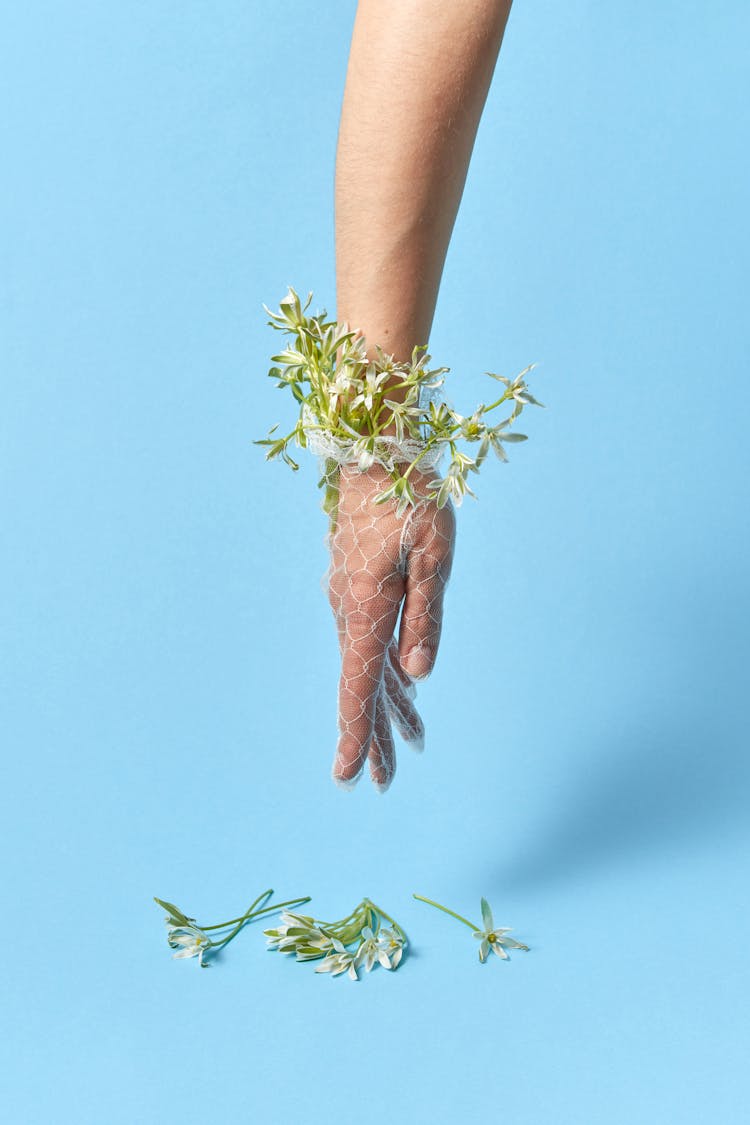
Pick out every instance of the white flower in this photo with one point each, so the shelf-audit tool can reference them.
(341, 960)
(390, 948)
(471, 428)
(520, 391)
(402, 491)
(342, 384)
(369, 950)
(298, 934)
(454, 484)
(355, 349)
(492, 938)
(364, 452)
(372, 383)
(291, 358)
(517, 387)
(289, 918)
(463, 463)
(497, 435)
(189, 941)
(314, 947)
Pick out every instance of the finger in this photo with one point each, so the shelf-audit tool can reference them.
(428, 569)
(382, 752)
(370, 612)
(399, 696)
(333, 583)
(402, 678)
(336, 601)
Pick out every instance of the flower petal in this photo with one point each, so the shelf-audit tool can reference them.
(514, 944)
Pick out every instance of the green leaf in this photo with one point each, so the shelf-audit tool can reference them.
(177, 915)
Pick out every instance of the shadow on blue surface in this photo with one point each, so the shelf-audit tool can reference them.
(678, 772)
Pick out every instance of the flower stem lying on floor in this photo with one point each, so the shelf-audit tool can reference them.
(310, 940)
(191, 940)
(490, 937)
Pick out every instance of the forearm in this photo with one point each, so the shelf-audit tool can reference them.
(417, 81)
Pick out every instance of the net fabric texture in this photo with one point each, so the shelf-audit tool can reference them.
(385, 582)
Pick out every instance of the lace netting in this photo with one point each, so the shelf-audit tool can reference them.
(392, 521)
(383, 566)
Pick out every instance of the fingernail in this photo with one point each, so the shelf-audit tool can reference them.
(418, 663)
(345, 782)
(416, 744)
(342, 782)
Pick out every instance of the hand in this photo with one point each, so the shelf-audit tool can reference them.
(379, 560)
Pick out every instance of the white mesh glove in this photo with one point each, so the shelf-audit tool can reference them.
(372, 447)
(381, 563)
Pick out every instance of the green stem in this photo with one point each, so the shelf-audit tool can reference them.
(460, 917)
(346, 932)
(223, 925)
(241, 921)
(388, 918)
(498, 402)
(372, 918)
(242, 917)
(430, 442)
(349, 928)
(279, 905)
(380, 402)
(253, 913)
(249, 912)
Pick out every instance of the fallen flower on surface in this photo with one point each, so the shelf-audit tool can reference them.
(490, 937)
(390, 947)
(191, 940)
(339, 961)
(310, 939)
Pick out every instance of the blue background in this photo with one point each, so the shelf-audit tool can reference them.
(169, 662)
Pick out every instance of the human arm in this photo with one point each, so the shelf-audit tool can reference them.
(417, 80)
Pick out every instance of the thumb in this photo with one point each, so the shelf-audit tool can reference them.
(421, 625)
(428, 570)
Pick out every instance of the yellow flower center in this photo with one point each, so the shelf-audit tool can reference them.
(492, 938)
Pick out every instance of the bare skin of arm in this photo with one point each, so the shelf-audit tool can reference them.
(417, 81)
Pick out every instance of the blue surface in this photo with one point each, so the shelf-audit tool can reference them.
(169, 663)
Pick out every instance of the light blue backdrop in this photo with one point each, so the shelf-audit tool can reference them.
(169, 662)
